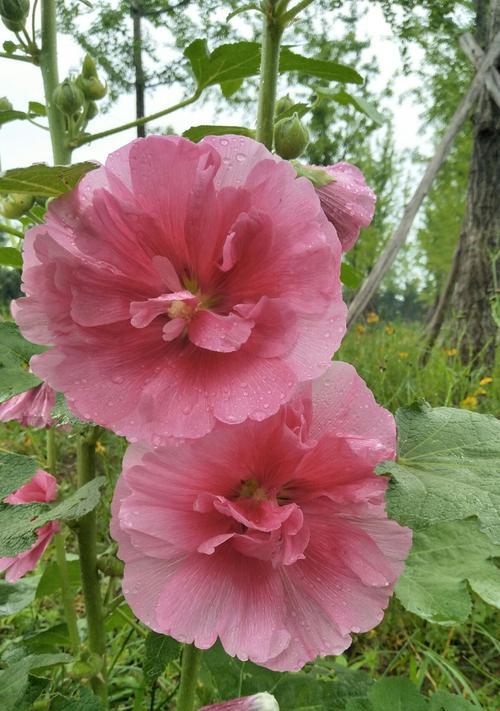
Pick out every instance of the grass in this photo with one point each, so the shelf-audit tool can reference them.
(462, 659)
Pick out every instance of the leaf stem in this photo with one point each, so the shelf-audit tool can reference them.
(11, 230)
(50, 75)
(18, 57)
(67, 597)
(191, 657)
(292, 13)
(87, 544)
(82, 140)
(271, 38)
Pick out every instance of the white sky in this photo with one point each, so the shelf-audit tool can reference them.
(22, 144)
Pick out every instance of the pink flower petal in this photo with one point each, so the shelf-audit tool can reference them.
(221, 334)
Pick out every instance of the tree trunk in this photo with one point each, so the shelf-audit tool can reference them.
(480, 237)
(138, 67)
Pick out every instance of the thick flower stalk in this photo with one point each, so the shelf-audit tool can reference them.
(31, 408)
(182, 285)
(271, 535)
(42, 488)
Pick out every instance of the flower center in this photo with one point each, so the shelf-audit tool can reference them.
(251, 489)
(181, 309)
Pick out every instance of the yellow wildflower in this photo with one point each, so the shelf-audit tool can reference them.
(450, 352)
(100, 448)
(360, 329)
(486, 380)
(470, 402)
(480, 391)
(390, 329)
(372, 317)
(403, 354)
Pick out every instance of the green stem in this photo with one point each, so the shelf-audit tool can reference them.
(87, 544)
(18, 57)
(11, 230)
(191, 657)
(271, 38)
(67, 597)
(50, 75)
(294, 11)
(81, 140)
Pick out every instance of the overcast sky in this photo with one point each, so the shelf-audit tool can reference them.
(22, 144)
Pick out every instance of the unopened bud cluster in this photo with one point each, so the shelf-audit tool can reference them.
(14, 14)
(290, 135)
(14, 205)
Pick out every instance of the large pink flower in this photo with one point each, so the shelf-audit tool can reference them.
(42, 488)
(32, 408)
(271, 536)
(348, 202)
(181, 284)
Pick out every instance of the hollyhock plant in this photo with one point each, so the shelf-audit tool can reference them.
(42, 488)
(190, 283)
(257, 702)
(32, 408)
(271, 535)
(348, 202)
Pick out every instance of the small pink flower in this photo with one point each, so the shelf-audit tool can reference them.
(32, 408)
(347, 201)
(257, 702)
(183, 284)
(42, 488)
(271, 536)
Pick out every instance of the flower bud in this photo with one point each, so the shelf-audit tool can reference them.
(92, 110)
(92, 87)
(16, 204)
(282, 105)
(257, 702)
(14, 13)
(290, 137)
(89, 69)
(68, 97)
(5, 104)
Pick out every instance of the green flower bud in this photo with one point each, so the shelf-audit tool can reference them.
(14, 13)
(16, 204)
(92, 110)
(92, 87)
(282, 105)
(5, 104)
(290, 137)
(68, 97)
(89, 69)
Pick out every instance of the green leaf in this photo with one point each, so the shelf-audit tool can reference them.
(50, 581)
(63, 415)
(15, 354)
(358, 102)
(447, 468)
(84, 700)
(36, 686)
(397, 695)
(46, 180)
(329, 71)
(9, 46)
(14, 597)
(444, 560)
(229, 88)
(350, 276)
(444, 701)
(11, 257)
(14, 679)
(12, 115)
(46, 640)
(227, 63)
(196, 133)
(35, 107)
(160, 650)
(18, 523)
(300, 109)
(15, 470)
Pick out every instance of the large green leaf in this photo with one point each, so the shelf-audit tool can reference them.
(18, 523)
(444, 701)
(196, 133)
(160, 650)
(14, 597)
(15, 354)
(399, 694)
(41, 179)
(12, 115)
(447, 468)
(15, 470)
(227, 63)
(10, 257)
(350, 276)
(445, 559)
(14, 679)
(50, 581)
(358, 102)
(47, 640)
(320, 68)
(83, 700)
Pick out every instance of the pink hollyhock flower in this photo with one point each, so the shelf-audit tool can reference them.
(180, 284)
(271, 536)
(43, 488)
(32, 408)
(257, 702)
(347, 201)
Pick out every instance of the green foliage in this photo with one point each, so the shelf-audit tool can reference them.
(359, 103)
(349, 276)
(19, 522)
(228, 62)
(399, 694)
(196, 133)
(14, 679)
(83, 700)
(15, 470)
(41, 179)
(11, 257)
(14, 597)
(15, 354)
(160, 650)
(447, 468)
(50, 580)
(319, 68)
(444, 558)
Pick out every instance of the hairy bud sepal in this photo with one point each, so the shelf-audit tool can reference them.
(290, 137)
